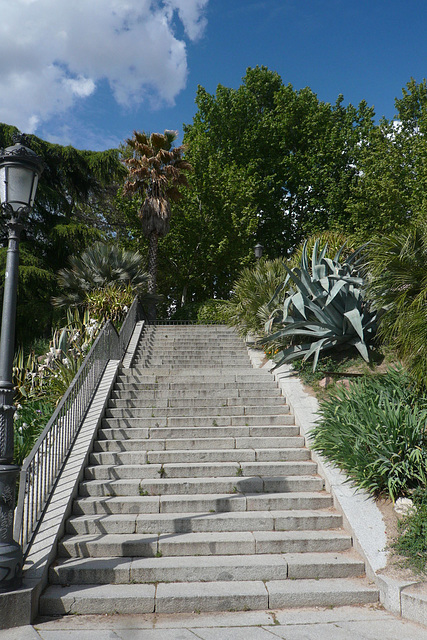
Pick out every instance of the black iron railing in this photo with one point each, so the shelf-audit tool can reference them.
(42, 467)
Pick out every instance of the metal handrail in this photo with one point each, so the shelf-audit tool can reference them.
(42, 467)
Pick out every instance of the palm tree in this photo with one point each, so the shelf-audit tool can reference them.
(99, 267)
(155, 173)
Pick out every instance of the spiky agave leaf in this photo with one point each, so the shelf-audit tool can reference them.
(325, 305)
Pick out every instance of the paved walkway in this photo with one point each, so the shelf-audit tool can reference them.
(343, 623)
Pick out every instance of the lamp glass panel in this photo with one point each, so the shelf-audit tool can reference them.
(3, 184)
(16, 185)
(35, 183)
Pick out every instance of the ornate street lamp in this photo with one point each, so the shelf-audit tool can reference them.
(258, 249)
(20, 169)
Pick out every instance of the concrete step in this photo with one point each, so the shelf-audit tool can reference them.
(206, 568)
(137, 440)
(209, 374)
(194, 363)
(204, 421)
(194, 403)
(196, 522)
(218, 455)
(219, 395)
(200, 494)
(207, 503)
(254, 374)
(195, 486)
(203, 543)
(185, 386)
(205, 596)
(200, 470)
(172, 412)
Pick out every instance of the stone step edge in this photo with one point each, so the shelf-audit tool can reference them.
(286, 566)
(206, 596)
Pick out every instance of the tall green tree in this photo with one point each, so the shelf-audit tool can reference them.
(74, 207)
(391, 185)
(271, 164)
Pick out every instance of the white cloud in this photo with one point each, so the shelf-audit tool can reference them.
(54, 52)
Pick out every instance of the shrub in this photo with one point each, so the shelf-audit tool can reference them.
(375, 431)
(249, 307)
(324, 306)
(397, 268)
(111, 302)
(212, 312)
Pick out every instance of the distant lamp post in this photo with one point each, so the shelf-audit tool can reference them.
(20, 169)
(258, 249)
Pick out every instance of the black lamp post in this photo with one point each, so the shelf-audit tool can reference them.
(258, 249)
(20, 169)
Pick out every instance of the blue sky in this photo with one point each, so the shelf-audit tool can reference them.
(89, 72)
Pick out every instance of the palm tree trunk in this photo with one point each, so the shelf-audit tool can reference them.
(152, 271)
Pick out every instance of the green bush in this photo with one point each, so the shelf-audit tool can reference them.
(397, 269)
(375, 431)
(249, 306)
(212, 312)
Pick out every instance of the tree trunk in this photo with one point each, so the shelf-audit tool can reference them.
(152, 272)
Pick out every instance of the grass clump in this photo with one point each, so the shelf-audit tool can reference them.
(375, 431)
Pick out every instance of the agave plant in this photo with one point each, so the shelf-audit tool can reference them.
(324, 308)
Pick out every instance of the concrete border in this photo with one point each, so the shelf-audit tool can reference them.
(361, 515)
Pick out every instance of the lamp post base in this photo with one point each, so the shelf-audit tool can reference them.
(10, 551)
(10, 567)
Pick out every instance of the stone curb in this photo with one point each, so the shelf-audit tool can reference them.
(361, 515)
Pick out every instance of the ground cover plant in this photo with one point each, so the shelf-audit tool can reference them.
(375, 431)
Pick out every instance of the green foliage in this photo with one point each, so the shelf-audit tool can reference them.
(391, 183)
(112, 302)
(397, 267)
(324, 304)
(211, 312)
(375, 431)
(156, 174)
(98, 267)
(336, 241)
(26, 382)
(73, 207)
(270, 164)
(30, 420)
(412, 541)
(249, 307)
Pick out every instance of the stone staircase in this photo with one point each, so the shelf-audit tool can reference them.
(200, 494)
